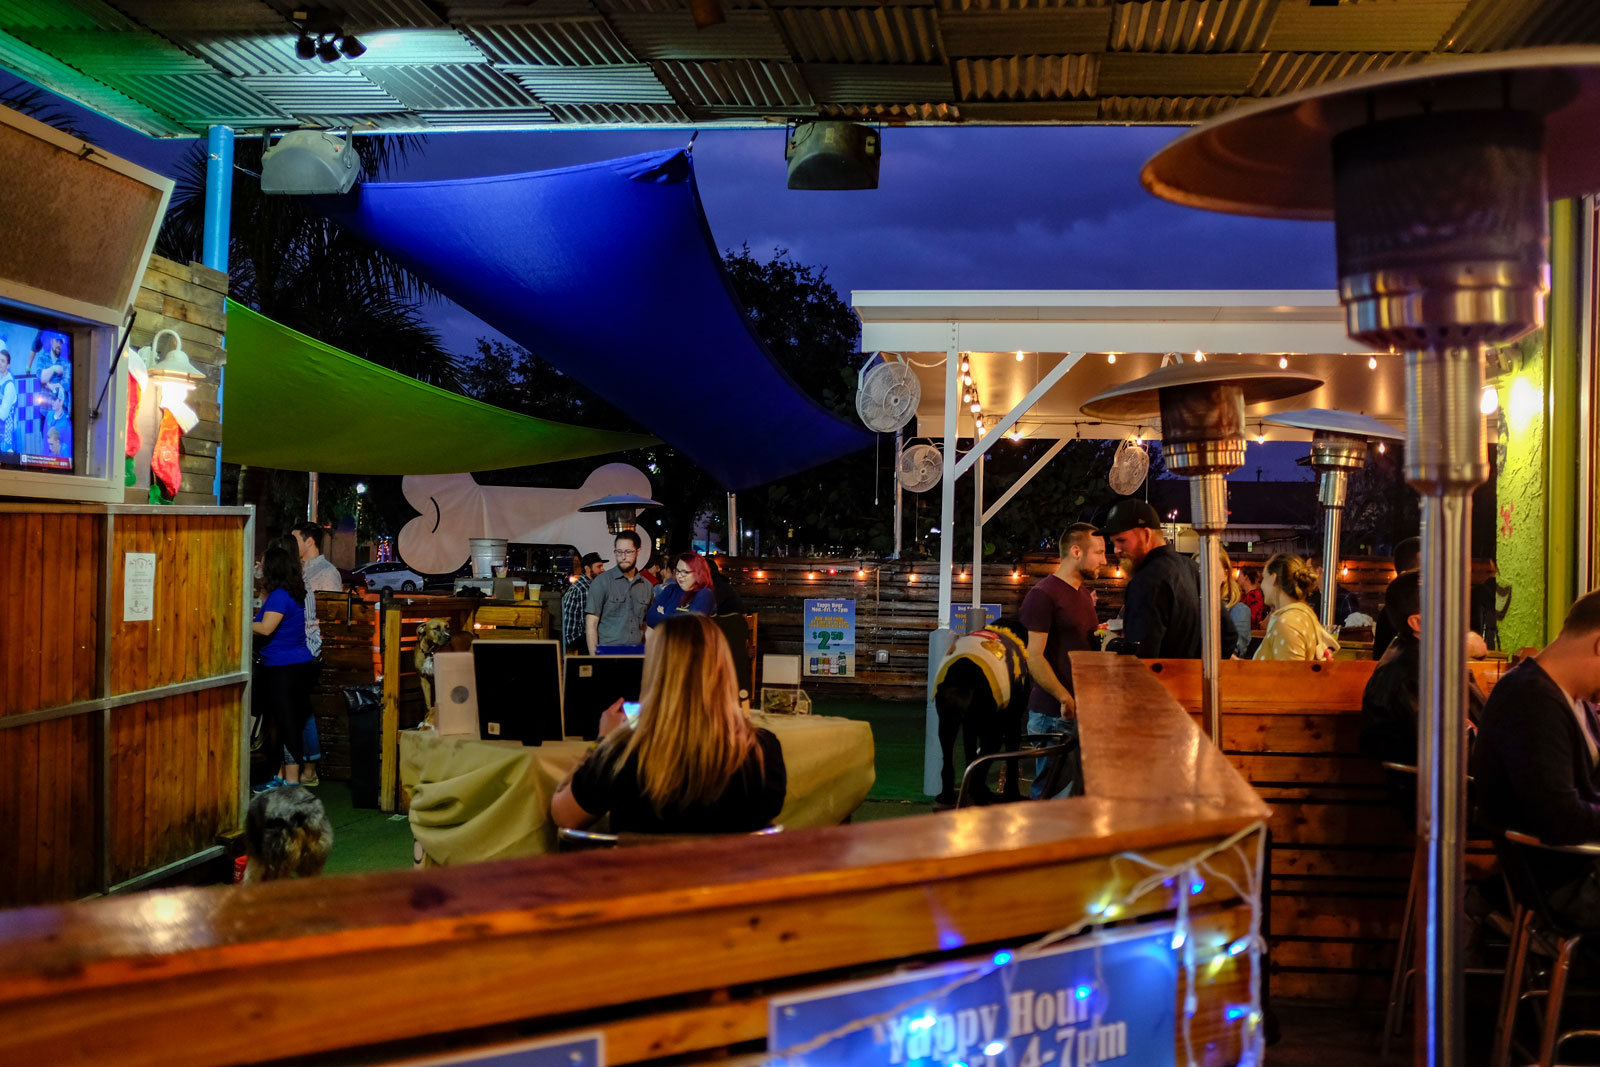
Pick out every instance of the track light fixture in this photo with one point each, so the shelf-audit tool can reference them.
(323, 38)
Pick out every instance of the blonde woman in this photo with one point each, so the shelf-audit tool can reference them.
(1293, 632)
(1233, 603)
(693, 763)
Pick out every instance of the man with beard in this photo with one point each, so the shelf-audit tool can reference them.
(1161, 608)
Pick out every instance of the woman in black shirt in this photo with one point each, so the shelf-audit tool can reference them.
(693, 764)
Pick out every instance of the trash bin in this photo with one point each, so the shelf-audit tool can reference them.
(365, 706)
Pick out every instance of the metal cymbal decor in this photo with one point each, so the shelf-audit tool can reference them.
(1201, 406)
(1438, 180)
(1339, 442)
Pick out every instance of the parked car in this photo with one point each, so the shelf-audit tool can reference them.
(395, 577)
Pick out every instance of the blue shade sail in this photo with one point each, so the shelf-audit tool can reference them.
(607, 271)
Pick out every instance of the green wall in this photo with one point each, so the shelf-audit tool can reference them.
(1537, 488)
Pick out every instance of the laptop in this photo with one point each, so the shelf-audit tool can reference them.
(519, 690)
(593, 684)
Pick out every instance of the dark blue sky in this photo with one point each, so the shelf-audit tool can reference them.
(964, 208)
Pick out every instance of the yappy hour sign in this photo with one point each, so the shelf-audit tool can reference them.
(1110, 998)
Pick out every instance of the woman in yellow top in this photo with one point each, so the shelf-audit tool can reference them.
(1293, 632)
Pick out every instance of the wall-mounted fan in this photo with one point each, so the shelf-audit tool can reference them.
(1128, 467)
(920, 467)
(887, 391)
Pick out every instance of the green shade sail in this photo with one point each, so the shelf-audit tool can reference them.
(294, 403)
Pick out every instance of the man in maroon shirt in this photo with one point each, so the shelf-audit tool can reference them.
(1059, 615)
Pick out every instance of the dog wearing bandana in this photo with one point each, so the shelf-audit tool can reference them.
(981, 692)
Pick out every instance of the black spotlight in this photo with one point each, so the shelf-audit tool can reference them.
(327, 51)
(351, 47)
(305, 47)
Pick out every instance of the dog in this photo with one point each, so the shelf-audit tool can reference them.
(981, 692)
(432, 636)
(286, 835)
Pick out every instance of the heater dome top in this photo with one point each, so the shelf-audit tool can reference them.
(1141, 397)
(1330, 420)
(620, 500)
(1275, 159)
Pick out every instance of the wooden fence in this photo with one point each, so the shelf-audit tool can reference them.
(120, 739)
(897, 604)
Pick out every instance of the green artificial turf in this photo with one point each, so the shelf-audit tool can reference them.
(898, 728)
(364, 839)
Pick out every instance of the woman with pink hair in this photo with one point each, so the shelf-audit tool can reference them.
(690, 594)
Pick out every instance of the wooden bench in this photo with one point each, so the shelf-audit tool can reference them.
(1341, 851)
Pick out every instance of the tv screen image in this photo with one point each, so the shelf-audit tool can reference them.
(36, 417)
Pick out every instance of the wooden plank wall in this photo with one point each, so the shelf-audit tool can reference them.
(1341, 850)
(191, 300)
(174, 763)
(48, 591)
(896, 613)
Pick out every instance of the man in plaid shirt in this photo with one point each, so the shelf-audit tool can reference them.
(574, 640)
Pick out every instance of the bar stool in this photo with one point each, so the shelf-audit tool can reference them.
(1534, 918)
(1034, 746)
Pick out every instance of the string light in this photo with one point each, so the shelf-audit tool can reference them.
(1016, 435)
(1489, 402)
(1283, 362)
(966, 396)
(1261, 435)
(1372, 362)
(1382, 448)
(1019, 357)
(974, 407)
(1199, 356)
(1111, 357)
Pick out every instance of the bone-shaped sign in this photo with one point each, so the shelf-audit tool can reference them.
(455, 508)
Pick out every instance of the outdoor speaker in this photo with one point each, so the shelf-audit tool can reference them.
(455, 694)
(310, 163)
(832, 155)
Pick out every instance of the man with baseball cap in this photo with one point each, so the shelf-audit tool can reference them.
(1161, 607)
(574, 638)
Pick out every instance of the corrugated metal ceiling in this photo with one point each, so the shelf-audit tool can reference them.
(171, 67)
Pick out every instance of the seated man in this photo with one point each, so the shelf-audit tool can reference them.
(1389, 703)
(1537, 761)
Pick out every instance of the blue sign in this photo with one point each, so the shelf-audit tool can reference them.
(587, 1050)
(958, 616)
(829, 639)
(1109, 998)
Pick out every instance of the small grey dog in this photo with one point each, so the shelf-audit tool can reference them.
(286, 835)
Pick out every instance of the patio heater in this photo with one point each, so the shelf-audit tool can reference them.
(1201, 406)
(1437, 179)
(622, 510)
(1339, 442)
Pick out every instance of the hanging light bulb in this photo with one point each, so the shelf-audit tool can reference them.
(1261, 435)
(974, 407)
(966, 365)
(966, 379)
(966, 396)
(1016, 435)
(1372, 362)
(1283, 362)
(1199, 356)
(1019, 357)
(1111, 357)
(1382, 448)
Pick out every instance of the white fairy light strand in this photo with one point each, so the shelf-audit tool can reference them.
(1098, 914)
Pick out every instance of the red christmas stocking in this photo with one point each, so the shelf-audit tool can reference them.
(164, 461)
(134, 393)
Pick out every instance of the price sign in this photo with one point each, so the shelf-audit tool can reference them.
(830, 639)
(586, 1050)
(1109, 998)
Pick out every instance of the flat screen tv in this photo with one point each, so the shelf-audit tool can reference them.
(38, 417)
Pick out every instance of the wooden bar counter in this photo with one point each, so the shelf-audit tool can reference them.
(669, 950)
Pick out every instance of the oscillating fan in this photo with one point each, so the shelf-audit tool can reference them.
(887, 391)
(1128, 467)
(920, 467)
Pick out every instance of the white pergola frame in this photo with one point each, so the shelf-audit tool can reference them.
(1073, 324)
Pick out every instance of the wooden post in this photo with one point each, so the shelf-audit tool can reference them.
(389, 754)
